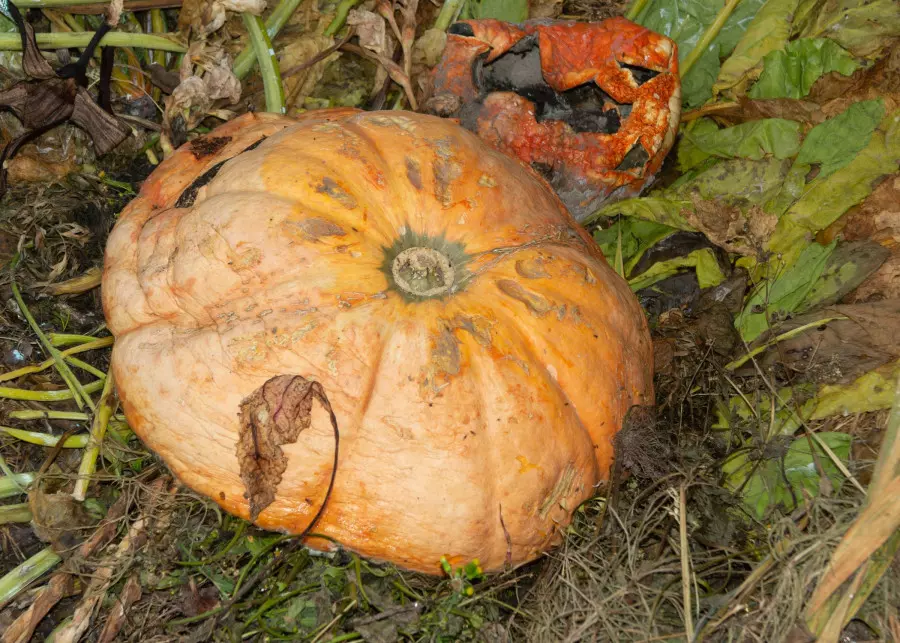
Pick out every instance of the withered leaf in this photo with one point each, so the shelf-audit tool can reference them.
(839, 351)
(275, 414)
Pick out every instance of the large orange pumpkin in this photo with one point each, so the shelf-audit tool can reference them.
(477, 351)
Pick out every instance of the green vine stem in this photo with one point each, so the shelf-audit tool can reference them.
(15, 513)
(635, 9)
(268, 63)
(15, 484)
(26, 573)
(163, 42)
(449, 12)
(81, 397)
(274, 24)
(98, 431)
(11, 393)
(340, 16)
(708, 36)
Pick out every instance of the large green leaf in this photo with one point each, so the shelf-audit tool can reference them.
(863, 27)
(776, 297)
(736, 182)
(834, 143)
(768, 31)
(768, 480)
(685, 21)
(825, 198)
(791, 72)
(752, 140)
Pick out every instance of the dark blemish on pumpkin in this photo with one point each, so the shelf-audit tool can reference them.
(189, 195)
(531, 268)
(414, 172)
(252, 147)
(222, 496)
(330, 187)
(207, 146)
(538, 304)
(445, 172)
(445, 353)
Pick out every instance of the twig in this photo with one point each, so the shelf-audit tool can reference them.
(685, 563)
(319, 57)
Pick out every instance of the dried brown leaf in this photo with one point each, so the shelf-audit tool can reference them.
(837, 352)
(130, 594)
(274, 414)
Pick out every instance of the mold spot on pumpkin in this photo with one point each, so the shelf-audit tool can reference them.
(331, 188)
(208, 145)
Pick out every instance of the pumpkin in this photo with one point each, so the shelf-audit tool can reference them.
(594, 107)
(476, 351)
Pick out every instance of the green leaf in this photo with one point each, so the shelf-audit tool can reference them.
(685, 21)
(514, 11)
(791, 72)
(873, 391)
(769, 31)
(834, 143)
(863, 27)
(825, 199)
(689, 155)
(780, 481)
(704, 261)
(637, 236)
(776, 137)
(664, 211)
(847, 267)
(737, 182)
(773, 299)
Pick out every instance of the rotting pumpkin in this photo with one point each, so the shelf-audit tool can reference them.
(477, 351)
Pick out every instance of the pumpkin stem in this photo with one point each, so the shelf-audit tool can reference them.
(423, 272)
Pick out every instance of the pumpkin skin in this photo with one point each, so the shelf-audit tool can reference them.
(594, 107)
(472, 422)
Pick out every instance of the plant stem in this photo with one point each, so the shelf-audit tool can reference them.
(11, 393)
(103, 342)
(708, 36)
(164, 42)
(274, 24)
(340, 16)
(15, 484)
(26, 573)
(449, 12)
(15, 513)
(46, 439)
(64, 339)
(98, 430)
(268, 63)
(635, 9)
(81, 398)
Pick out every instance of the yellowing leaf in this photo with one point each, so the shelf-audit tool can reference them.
(769, 31)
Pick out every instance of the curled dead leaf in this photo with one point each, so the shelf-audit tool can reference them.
(275, 414)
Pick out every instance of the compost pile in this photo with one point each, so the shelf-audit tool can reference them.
(755, 502)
